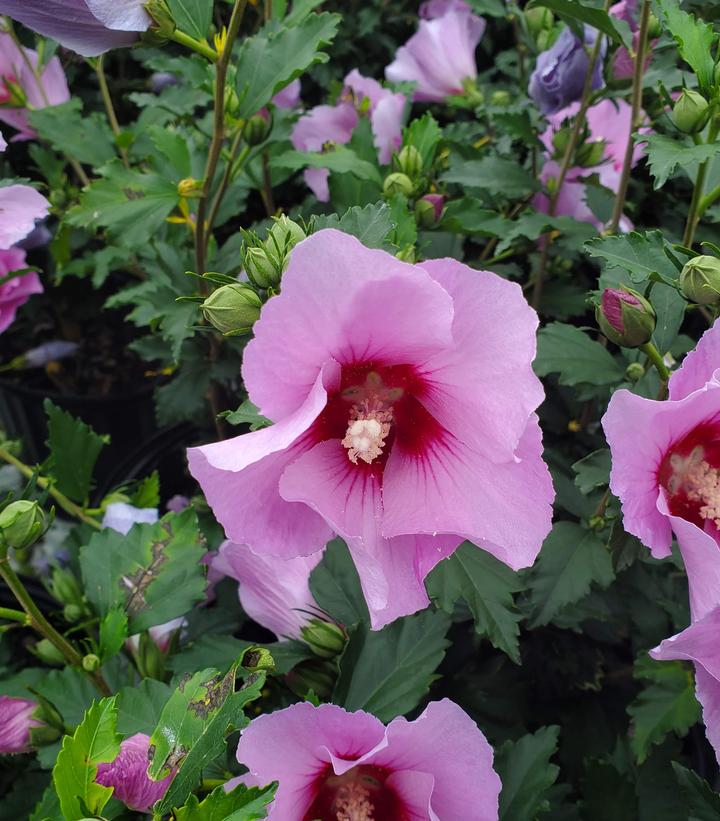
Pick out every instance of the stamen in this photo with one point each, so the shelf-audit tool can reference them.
(366, 433)
(353, 803)
(699, 480)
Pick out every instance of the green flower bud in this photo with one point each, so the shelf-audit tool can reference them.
(700, 280)
(65, 586)
(232, 308)
(654, 27)
(538, 20)
(190, 187)
(150, 658)
(46, 651)
(500, 98)
(591, 153)
(625, 317)
(263, 268)
(325, 638)
(398, 183)
(425, 213)
(634, 372)
(285, 234)
(690, 112)
(73, 612)
(257, 128)
(22, 523)
(43, 735)
(13, 94)
(409, 162)
(90, 663)
(545, 39)
(407, 254)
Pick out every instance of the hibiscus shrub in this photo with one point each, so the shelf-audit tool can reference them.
(359, 411)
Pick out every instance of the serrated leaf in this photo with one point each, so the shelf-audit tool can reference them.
(588, 15)
(665, 155)
(240, 804)
(247, 414)
(487, 586)
(339, 159)
(74, 448)
(84, 137)
(571, 560)
(670, 307)
(48, 808)
(139, 707)
(641, 255)
(496, 176)
(695, 40)
(335, 585)
(592, 470)
(270, 60)
(526, 773)
(569, 352)
(94, 742)
(147, 492)
(371, 224)
(192, 16)
(664, 706)
(703, 803)
(154, 573)
(387, 672)
(113, 632)
(424, 134)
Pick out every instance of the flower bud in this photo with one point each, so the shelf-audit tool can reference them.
(12, 93)
(634, 372)
(690, 111)
(625, 317)
(545, 39)
(654, 27)
(560, 140)
(190, 187)
(500, 98)
(429, 210)
(398, 183)
(409, 161)
(700, 280)
(163, 24)
(326, 639)
(232, 308)
(590, 153)
(46, 651)
(73, 612)
(539, 19)
(22, 523)
(90, 663)
(285, 234)
(264, 269)
(257, 128)
(16, 721)
(65, 587)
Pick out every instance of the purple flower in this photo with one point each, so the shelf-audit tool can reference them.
(440, 57)
(288, 97)
(161, 634)
(274, 592)
(161, 80)
(559, 74)
(16, 291)
(121, 516)
(431, 9)
(403, 399)
(335, 764)
(15, 723)
(127, 774)
(20, 207)
(86, 26)
(437, 201)
(386, 111)
(49, 352)
(177, 503)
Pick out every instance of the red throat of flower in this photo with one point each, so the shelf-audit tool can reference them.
(358, 795)
(690, 475)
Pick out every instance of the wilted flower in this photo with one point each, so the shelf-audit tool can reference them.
(127, 774)
(334, 764)
(21, 89)
(86, 26)
(16, 722)
(404, 398)
(439, 57)
(16, 291)
(559, 74)
(273, 592)
(121, 516)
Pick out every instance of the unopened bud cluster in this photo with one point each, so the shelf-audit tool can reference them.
(265, 261)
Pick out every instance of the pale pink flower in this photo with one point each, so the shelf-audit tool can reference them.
(16, 291)
(440, 57)
(334, 764)
(127, 774)
(288, 97)
(161, 634)
(86, 26)
(273, 592)
(18, 75)
(403, 399)
(20, 207)
(16, 721)
(436, 8)
(386, 112)
(623, 65)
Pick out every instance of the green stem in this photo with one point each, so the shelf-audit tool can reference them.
(14, 615)
(636, 116)
(62, 500)
(195, 45)
(231, 170)
(694, 214)
(707, 201)
(654, 356)
(110, 108)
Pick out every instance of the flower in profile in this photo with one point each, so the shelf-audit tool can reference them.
(403, 399)
(127, 774)
(559, 74)
(23, 88)
(86, 26)
(16, 721)
(440, 57)
(121, 516)
(15, 291)
(273, 592)
(332, 764)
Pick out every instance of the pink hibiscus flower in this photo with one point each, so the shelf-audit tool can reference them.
(16, 291)
(333, 764)
(127, 774)
(440, 57)
(16, 722)
(403, 399)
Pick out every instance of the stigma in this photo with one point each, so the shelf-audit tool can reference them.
(353, 804)
(367, 430)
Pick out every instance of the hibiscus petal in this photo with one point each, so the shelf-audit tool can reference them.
(415, 791)
(20, 206)
(698, 366)
(120, 15)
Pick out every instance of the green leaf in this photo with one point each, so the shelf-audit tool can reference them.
(247, 414)
(147, 492)
(597, 18)
(695, 40)
(216, 651)
(339, 159)
(335, 585)
(48, 807)
(240, 804)
(192, 16)
(371, 224)
(665, 155)
(388, 672)
(703, 803)
(154, 573)
(643, 256)
(424, 134)
(666, 705)
(270, 60)
(113, 632)
(469, 215)
(94, 742)
(592, 471)
(571, 560)
(139, 707)
(84, 137)
(193, 728)
(670, 307)
(74, 448)
(526, 773)
(487, 586)
(496, 176)
(533, 224)
(568, 351)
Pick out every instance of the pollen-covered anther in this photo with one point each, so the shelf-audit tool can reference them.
(366, 434)
(700, 481)
(353, 803)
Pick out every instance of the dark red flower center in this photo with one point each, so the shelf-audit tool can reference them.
(358, 795)
(375, 408)
(690, 475)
